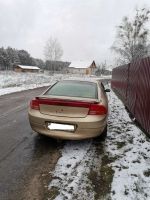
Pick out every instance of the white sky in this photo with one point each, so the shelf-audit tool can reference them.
(84, 28)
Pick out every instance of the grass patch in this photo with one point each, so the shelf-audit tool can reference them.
(147, 173)
(113, 192)
(128, 129)
(124, 167)
(131, 140)
(136, 161)
(127, 150)
(134, 175)
(53, 192)
(117, 127)
(68, 165)
(136, 189)
(118, 132)
(126, 192)
(102, 182)
(120, 144)
(121, 167)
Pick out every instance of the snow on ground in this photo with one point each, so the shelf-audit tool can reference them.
(13, 82)
(126, 144)
(131, 149)
(71, 172)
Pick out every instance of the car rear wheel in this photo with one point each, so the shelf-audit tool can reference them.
(104, 133)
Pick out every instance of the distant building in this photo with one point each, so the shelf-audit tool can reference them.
(23, 68)
(108, 71)
(82, 67)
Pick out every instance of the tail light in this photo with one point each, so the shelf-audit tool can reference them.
(34, 104)
(97, 109)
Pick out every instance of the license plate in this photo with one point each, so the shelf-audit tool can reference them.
(61, 127)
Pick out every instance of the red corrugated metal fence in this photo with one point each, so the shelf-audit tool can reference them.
(132, 81)
(120, 79)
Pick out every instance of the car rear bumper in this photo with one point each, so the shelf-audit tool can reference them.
(88, 127)
(77, 135)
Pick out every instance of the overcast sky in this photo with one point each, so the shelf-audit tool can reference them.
(84, 28)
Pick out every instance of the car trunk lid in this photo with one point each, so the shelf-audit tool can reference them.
(64, 107)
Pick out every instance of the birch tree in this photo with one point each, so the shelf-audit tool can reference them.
(53, 50)
(131, 42)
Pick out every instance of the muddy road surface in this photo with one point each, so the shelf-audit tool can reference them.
(42, 168)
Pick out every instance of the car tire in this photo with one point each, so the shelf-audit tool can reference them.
(104, 133)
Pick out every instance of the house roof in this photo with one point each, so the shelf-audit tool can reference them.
(28, 67)
(109, 69)
(81, 64)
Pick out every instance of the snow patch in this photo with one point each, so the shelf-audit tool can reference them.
(14, 82)
(71, 173)
(131, 148)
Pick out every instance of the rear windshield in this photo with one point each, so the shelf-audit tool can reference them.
(74, 89)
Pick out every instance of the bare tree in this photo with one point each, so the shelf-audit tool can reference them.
(101, 67)
(131, 41)
(98, 70)
(53, 50)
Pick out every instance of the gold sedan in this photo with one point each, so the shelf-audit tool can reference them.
(71, 109)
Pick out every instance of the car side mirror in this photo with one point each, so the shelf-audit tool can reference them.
(107, 90)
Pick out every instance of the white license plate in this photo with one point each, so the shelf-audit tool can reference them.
(62, 127)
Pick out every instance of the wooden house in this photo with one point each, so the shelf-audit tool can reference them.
(23, 68)
(82, 67)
